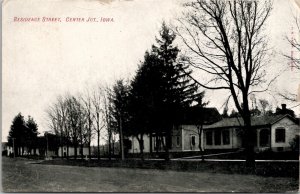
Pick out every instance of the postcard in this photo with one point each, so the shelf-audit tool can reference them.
(150, 96)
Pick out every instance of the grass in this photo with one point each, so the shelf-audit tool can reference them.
(275, 169)
(23, 175)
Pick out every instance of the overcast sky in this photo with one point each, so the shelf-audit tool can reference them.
(44, 60)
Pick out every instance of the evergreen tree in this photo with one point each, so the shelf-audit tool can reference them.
(33, 132)
(120, 101)
(161, 90)
(17, 134)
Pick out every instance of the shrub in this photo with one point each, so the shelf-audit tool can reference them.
(295, 143)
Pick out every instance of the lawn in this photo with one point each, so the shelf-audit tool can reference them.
(23, 175)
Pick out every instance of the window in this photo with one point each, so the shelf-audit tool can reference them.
(209, 138)
(226, 137)
(264, 137)
(280, 135)
(157, 143)
(193, 140)
(217, 137)
(177, 140)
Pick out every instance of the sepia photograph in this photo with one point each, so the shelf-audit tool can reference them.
(144, 96)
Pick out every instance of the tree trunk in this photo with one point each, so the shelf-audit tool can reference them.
(90, 134)
(151, 150)
(61, 144)
(249, 135)
(75, 151)
(90, 157)
(167, 157)
(98, 145)
(121, 141)
(67, 151)
(109, 146)
(81, 148)
(141, 144)
(113, 147)
(155, 143)
(62, 150)
(166, 147)
(200, 131)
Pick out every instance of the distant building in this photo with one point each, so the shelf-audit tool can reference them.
(85, 151)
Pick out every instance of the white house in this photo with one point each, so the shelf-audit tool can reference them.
(184, 136)
(274, 132)
(85, 151)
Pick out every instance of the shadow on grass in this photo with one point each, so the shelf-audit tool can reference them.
(272, 169)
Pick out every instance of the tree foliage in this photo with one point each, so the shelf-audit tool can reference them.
(23, 134)
(160, 91)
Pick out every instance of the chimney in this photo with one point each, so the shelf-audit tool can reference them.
(283, 106)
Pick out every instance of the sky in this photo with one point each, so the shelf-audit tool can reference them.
(41, 60)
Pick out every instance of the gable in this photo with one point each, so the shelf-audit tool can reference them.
(286, 117)
(256, 121)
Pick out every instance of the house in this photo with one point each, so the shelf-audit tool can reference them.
(273, 132)
(9, 151)
(5, 149)
(185, 136)
(63, 150)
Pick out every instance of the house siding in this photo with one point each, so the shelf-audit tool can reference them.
(187, 132)
(259, 146)
(72, 151)
(291, 130)
(234, 139)
(177, 133)
(135, 146)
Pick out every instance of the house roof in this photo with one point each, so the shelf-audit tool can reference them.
(255, 121)
(194, 115)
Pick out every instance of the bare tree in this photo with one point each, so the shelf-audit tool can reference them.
(97, 115)
(264, 104)
(87, 101)
(288, 96)
(81, 125)
(74, 121)
(225, 39)
(294, 61)
(107, 111)
(57, 116)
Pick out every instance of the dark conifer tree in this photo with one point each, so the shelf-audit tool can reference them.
(33, 132)
(119, 99)
(161, 90)
(17, 134)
